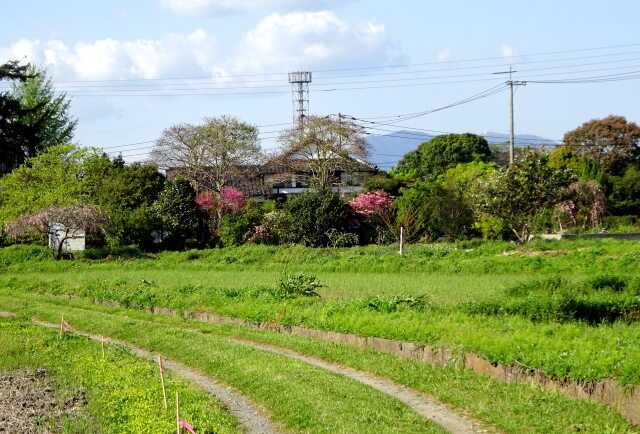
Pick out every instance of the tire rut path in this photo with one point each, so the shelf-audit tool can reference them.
(418, 402)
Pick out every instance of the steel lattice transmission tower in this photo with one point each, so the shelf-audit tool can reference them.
(300, 95)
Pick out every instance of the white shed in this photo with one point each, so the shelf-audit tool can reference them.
(75, 238)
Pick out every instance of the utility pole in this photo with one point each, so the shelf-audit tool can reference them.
(511, 84)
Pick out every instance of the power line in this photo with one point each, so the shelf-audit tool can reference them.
(74, 92)
(366, 67)
(189, 91)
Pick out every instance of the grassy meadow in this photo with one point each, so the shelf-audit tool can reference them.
(570, 308)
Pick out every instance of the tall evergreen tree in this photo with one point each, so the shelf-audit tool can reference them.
(11, 113)
(32, 117)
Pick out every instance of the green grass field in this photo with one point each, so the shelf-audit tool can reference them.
(311, 396)
(569, 308)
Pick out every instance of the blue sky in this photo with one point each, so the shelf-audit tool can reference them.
(129, 65)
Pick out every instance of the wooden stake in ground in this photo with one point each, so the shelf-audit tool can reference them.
(164, 391)
(61, 325)
(102, 345)
(177, 414)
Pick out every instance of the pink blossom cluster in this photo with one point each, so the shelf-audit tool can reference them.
(232, 199)
(206, 201)
(229, 199)
(373, 203)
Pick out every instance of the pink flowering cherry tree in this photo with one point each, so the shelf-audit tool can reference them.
(228, 200)
(62, 223)
(232, 200)
(374, 205)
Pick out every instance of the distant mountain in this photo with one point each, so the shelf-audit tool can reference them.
(521, 139)
(388, 149)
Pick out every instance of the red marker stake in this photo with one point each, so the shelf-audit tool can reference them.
(177, 414)
(164, 391)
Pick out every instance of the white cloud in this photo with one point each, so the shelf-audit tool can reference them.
(223, 7)
(112, 59)
(508, 51)
(312, 39)
(443, 55)
(278, 43)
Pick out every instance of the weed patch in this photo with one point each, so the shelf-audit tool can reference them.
(596, 300)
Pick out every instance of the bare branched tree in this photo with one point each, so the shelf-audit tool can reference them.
(323, 147)
(209, 155)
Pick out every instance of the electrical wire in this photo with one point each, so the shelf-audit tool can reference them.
(374, 67)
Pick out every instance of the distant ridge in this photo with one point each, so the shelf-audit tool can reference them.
(388, 149)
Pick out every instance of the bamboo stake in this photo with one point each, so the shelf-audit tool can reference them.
(177, 414)
(164, 391)
(102, 345)
(61, 324)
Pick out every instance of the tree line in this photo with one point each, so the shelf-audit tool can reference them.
(450, 187)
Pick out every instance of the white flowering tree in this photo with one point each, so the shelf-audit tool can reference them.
(61, 223)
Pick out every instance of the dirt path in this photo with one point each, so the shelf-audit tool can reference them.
(420, 403)
(241, 408)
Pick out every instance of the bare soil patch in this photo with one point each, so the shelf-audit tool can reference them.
(29, 404)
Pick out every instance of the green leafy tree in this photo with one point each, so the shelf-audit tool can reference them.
(612, 141)
(32, 116)
(441, 153)
(453, 212)
(237, 227)
(440, 207)
(624, 192)
(314, 215)
(60, 176)
(518, 192)
(583, 166)
(180, 215)
(127, 193)
(413, 210)
(382, 181)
